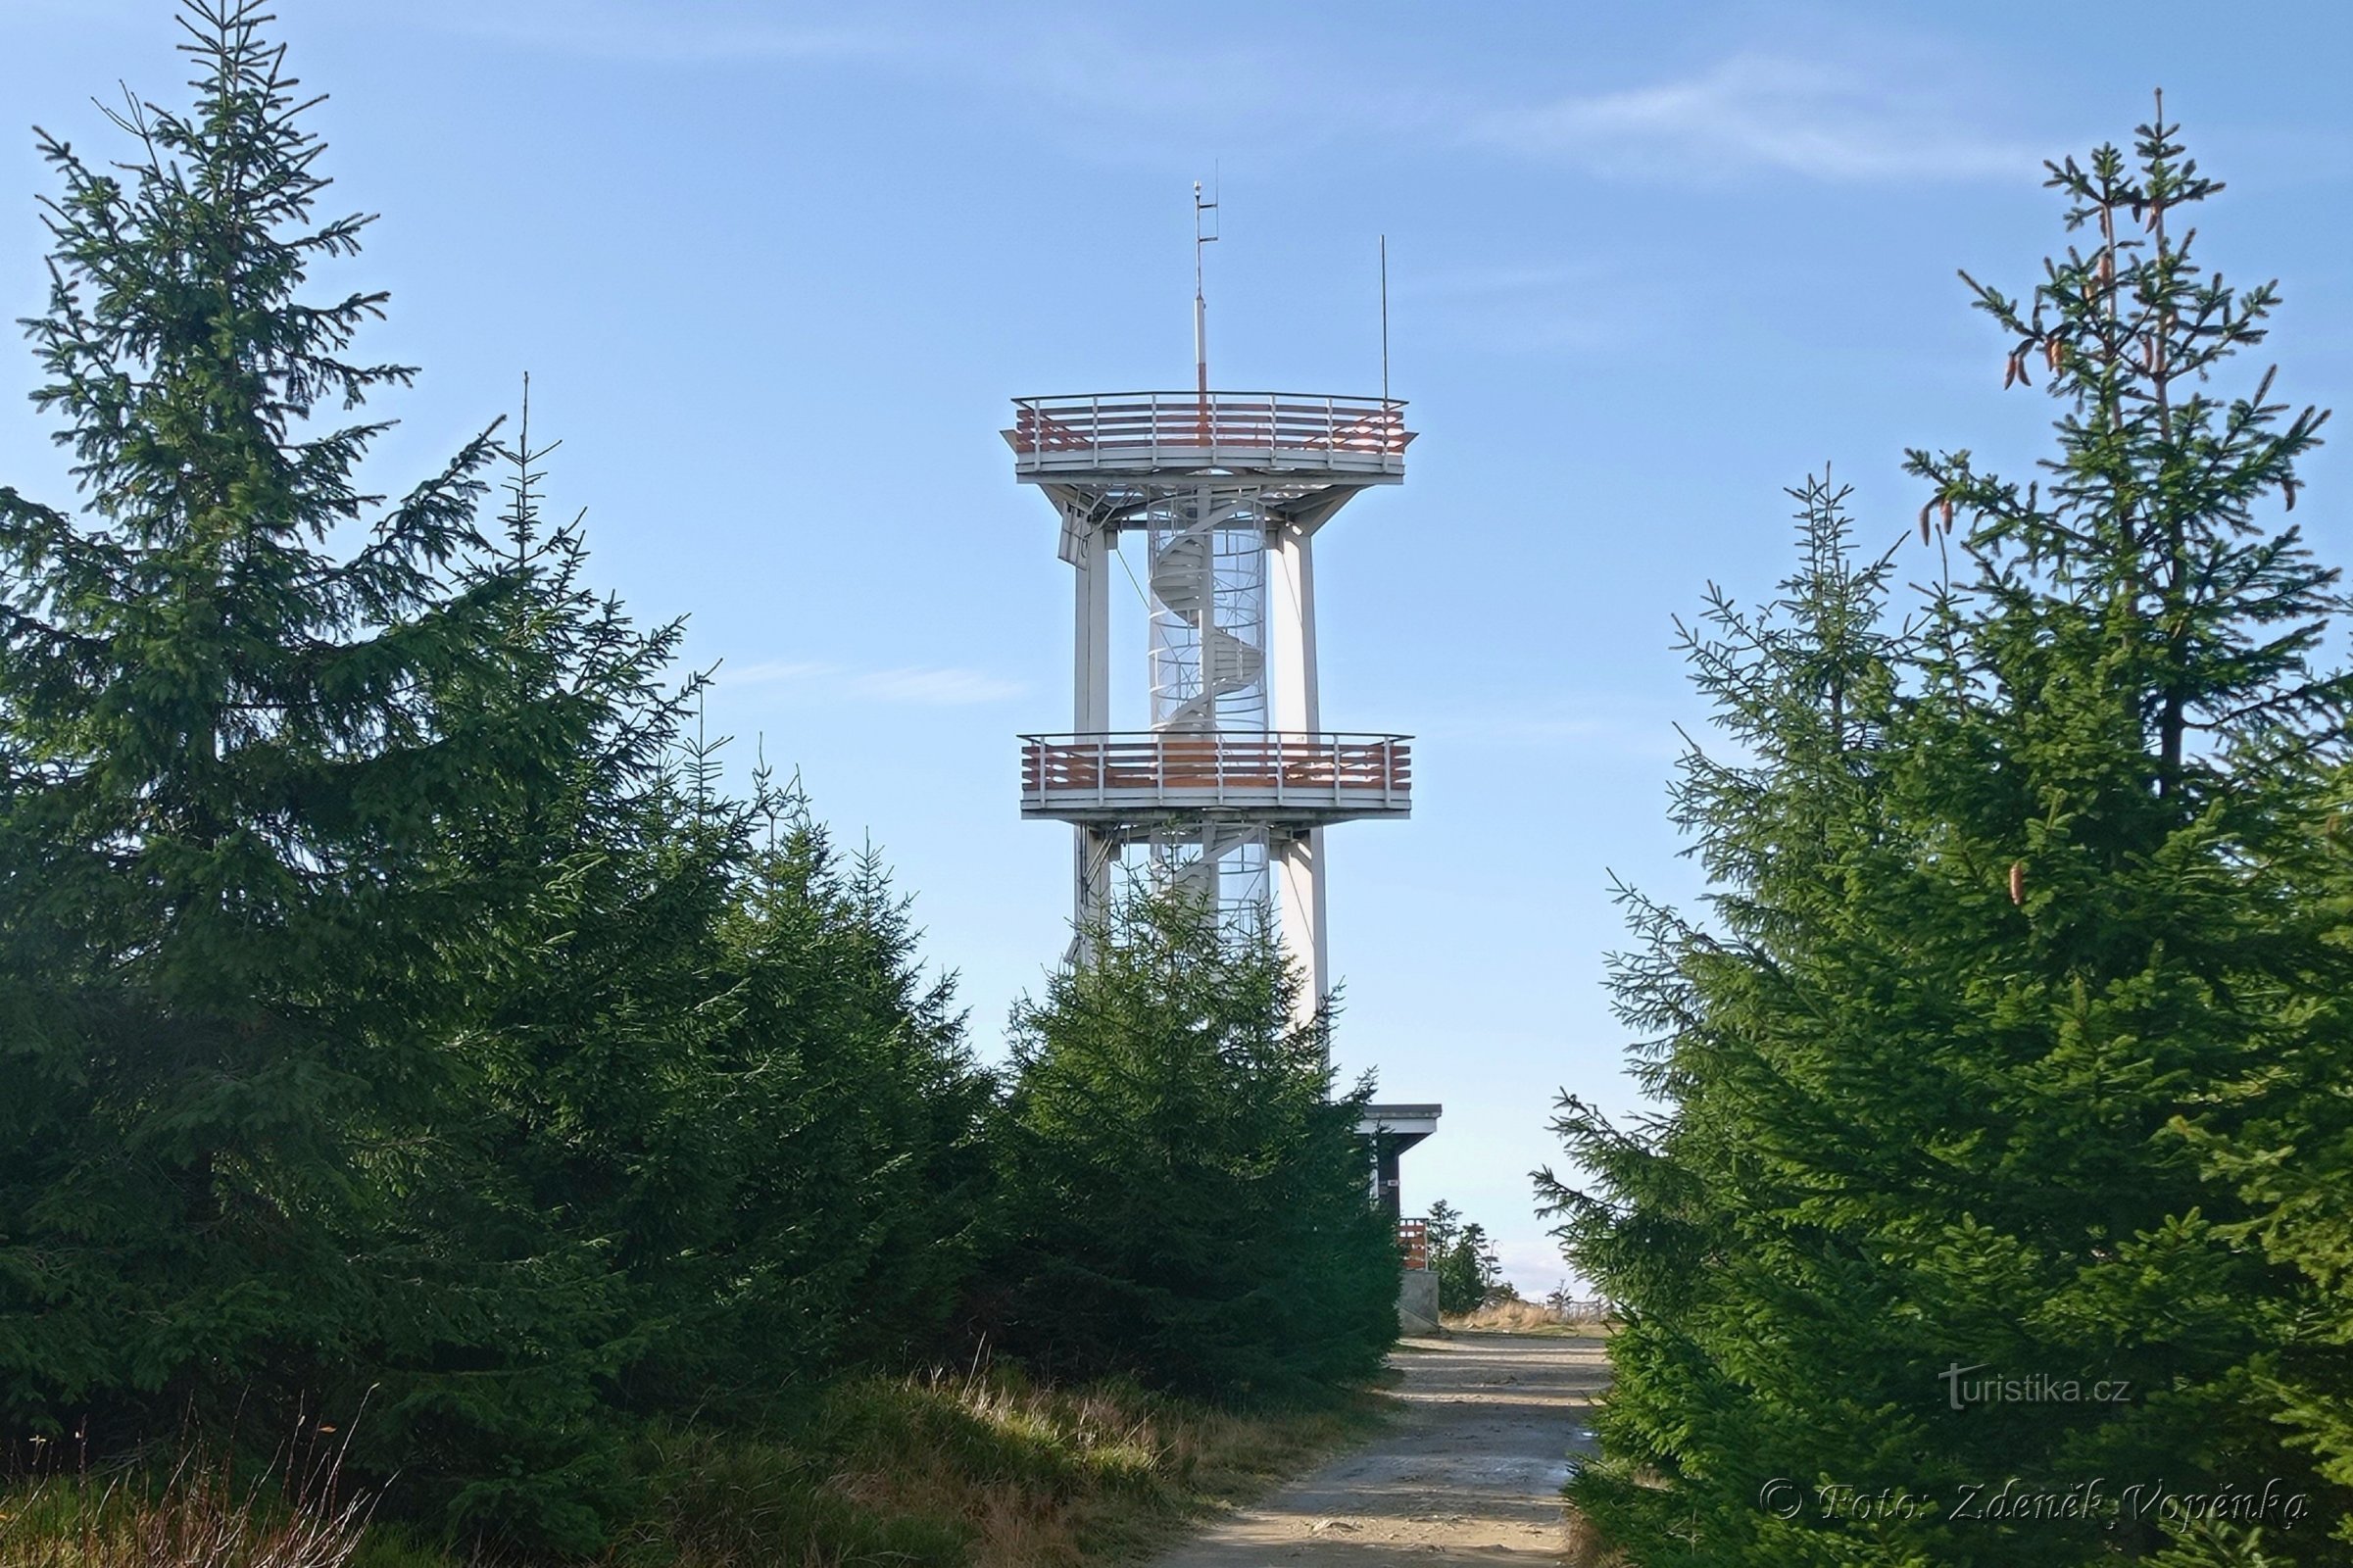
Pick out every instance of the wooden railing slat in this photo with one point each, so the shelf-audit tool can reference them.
(1180, 419)
(1299, 766)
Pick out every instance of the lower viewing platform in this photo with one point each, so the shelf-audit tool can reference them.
(1277, 776)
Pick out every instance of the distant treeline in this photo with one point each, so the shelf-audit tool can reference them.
(402, 1029)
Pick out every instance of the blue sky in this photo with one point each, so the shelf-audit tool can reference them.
(775, 269)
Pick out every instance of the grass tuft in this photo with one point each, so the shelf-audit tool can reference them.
(200, 1517)
(982, 1470)
(977, 1471)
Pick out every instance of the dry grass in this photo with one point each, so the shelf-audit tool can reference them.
(1159, 1466)
(985, 1471)
(1528, 1317)
(1585, 1548)
(200, 1519)
(979, 1471)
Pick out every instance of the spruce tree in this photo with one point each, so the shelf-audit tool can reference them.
(2292, 1164)
(854, 1117)
(719, 1119)
(1467, 1271)
(227, 762)
(1731, 1295)
(394, 1008)
(540, 1223)
(1182, 1198)
(1462, 1258)
(2015, 904)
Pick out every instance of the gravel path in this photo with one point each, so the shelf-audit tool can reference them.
(1471, 1475)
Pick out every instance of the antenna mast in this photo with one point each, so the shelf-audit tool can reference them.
(1201, 302)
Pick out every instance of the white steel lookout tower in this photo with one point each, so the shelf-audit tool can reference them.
(1230, 788)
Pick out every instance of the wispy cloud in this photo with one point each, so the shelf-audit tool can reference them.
(914, 686)
(1878, 106)
(1764, 114)
(934, 687)
(1096, 62)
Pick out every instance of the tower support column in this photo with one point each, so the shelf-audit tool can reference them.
(1299, 868)
(1089, 552)
(1092, 894)
(1291, 628)
(1298, 710)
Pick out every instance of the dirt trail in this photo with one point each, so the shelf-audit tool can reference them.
(1471, 1475)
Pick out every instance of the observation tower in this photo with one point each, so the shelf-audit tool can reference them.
(1230, 788)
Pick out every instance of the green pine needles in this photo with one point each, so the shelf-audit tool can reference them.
(391, 1012)
(1184, 1200)
(404, 1031)
(228, 755)
(1469, 1276)
(2021, 997)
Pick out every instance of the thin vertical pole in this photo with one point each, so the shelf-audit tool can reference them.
(1201, 314)
(1384, 339)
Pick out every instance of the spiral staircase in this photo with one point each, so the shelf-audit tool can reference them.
(1184, 585)
(1235, 780)
(1285, 464)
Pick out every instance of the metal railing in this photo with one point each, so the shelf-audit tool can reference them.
(1125, 425)
(1247, 768)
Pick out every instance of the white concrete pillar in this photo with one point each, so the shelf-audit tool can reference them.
(1091, 643)
(1089, 551)
(1298, 862)
(1091, 896)
(1291, 628)
(1298, 867)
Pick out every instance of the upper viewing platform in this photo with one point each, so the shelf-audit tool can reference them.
(1134, 435)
